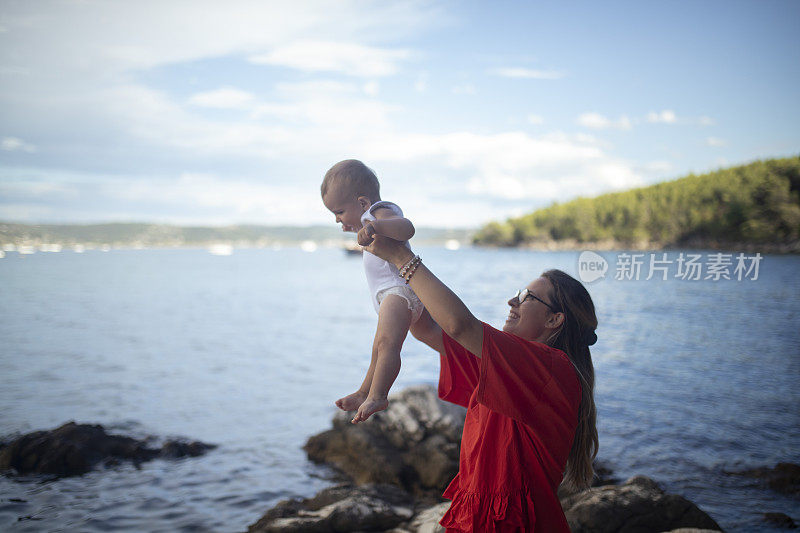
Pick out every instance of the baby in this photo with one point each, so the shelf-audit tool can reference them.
(351, 192)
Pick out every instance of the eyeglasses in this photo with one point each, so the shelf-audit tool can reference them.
(524, 294)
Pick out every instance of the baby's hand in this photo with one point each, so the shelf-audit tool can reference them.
(365, 234)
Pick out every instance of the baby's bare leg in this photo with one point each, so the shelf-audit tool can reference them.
(394, 319)
(351, 402)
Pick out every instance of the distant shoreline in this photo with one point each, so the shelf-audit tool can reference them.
(45, 238)
(145, 235)
(226, 248)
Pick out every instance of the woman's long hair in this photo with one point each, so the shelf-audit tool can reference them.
(574, 337)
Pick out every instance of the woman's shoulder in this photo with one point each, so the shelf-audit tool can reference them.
(516, 339)
(505, 340)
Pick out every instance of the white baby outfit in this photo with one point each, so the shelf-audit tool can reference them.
(383, 277)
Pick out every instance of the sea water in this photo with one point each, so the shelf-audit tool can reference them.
(249, 352)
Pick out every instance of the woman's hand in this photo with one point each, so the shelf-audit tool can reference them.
(389, 250)
(365, 234)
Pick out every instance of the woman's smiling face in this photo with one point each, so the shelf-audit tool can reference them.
(531, 318)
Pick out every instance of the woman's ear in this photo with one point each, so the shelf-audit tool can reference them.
(555, 320)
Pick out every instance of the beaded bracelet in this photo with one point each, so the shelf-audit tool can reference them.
(407, 270)
(411, 272)
(405, 267)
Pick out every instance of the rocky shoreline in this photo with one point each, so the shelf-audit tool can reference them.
(75, 449)
(393, 470)
(398, 463)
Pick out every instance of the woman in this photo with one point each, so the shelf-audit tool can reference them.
(528, 389)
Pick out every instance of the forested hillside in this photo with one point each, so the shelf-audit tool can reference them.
(758, 203)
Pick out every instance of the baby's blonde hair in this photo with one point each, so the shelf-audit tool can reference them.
(354, 175)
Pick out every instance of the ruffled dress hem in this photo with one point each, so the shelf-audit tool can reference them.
(488, 512)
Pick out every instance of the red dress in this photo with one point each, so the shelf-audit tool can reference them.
(522, 401)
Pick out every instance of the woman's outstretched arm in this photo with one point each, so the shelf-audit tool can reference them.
(444, 306)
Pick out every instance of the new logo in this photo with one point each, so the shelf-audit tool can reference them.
(591, 266)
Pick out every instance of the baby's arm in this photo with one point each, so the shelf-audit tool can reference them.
(387, 224)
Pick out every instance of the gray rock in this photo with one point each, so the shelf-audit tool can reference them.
(637, 506)
(785, 477)
(692, 530)
(414, 443)
(427, 521)
(780, 520)
(176, 449)
(340, 509)
(74, 449)
(602, 476)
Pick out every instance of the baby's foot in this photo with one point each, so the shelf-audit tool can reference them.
(369, 407)
(352, 401)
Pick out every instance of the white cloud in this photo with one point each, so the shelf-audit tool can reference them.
(594, 121)
(346, 58)
(464, 88)
(148, 33)
(188, 198)
(583, 138)
(372, 88)
(337, 110)
(527, 73)
(33, 187)
(597, 121)
(225, 98)
(153, 117)
(475, 171)
(15, 144)
(664, 117)
(512, 165)
(319, 117)
(244, 199)
(535, 119)
(668, 116)
(624, 123)
(14, 70)
(288, 131)
(658, 168)
(716, 142)
(421, 84)
(315, 88)
(98, 69)
(32, 213)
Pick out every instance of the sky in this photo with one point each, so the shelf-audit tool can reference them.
(215, 113)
